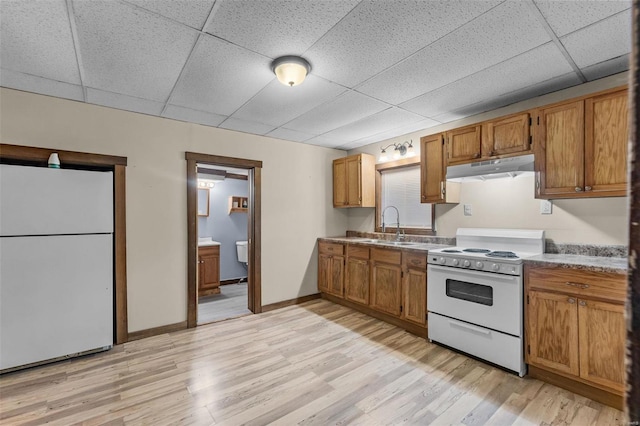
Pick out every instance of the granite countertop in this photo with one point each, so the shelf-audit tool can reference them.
(406, 245)
(616, 265)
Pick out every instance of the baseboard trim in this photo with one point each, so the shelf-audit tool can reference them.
(150, 332)
(290, 302)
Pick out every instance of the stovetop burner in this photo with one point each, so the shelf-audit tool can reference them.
(476, 250)
(451, 251)
(503, 254)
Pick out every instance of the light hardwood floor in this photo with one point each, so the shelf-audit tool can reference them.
(315, 363)
(230, 303)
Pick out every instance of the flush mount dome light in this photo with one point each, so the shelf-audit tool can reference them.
(290, 70)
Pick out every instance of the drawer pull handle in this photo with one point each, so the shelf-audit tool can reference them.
(469, 327)
(571, 300)
(579, 285)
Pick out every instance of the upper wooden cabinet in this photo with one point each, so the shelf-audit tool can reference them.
(354, 181)
(463, 145)
(433, 170)
(507, 136)
(582, 147)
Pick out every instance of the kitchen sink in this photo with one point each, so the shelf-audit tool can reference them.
(393, 243)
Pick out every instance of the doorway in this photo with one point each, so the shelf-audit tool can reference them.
(249, 206)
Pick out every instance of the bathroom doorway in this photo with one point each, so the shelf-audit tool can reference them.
(223, 206)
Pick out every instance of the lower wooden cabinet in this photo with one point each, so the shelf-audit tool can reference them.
(208, 270)
(575, 328)
(356, 288)
(414, 287)
(331, 268)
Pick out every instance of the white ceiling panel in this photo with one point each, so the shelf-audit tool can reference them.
(193, 13)
(290, 135)
(36, 39)
(349, 107)
(377, 123)
(277, 104)
(565, 17)
(278, 27)
(599, 42)
(537, 65)
(246, 126)
(610, 67)
(402, 130)
(193, 116)
(215, 67)
(377, 34)
(127, 50)
(127, 103)
(44, 86)
(500, 34)
(323, 141)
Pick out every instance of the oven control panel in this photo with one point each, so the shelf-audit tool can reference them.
(477, 264)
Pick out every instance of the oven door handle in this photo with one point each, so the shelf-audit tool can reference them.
(469, 327)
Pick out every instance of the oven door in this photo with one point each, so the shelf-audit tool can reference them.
(482, 298)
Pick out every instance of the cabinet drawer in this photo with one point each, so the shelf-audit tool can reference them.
(331, 248)
(415, 260)
(579, 282)
(358, 252)
(208, 250)
(387, 256)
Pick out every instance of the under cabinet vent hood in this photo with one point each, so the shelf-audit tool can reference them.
(500, 167)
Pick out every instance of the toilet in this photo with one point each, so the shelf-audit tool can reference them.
(242, 250)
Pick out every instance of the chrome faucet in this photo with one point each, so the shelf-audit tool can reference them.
(384, 227)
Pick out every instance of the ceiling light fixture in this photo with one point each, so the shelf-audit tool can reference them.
(290, 70)
(399, 150)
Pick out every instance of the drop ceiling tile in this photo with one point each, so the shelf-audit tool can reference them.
(221, 77)
(599, 42)
(349, 107)
(246, 126)
(36, 40)
(383, 121)
(504, 32)
(537, 65)
(606, 68)
(193, 13)
(325, 141)
(277, 104)
(289, 135)
(278, 27)
(397, 132)
(377, 34)
(568, 16)
(127, 50)
(43, 86)
(193, 116)
(127, 103)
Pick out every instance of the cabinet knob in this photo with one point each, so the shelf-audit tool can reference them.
(571, 300)
(583, 303)
(587, 188)
(578, 189)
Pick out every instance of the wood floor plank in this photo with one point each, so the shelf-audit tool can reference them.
(311, 364)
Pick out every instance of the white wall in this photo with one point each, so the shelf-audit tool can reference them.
(511, 203)
(296, 194)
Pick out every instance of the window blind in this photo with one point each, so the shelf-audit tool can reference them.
(401, 188)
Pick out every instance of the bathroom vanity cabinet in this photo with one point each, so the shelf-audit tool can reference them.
(208, 270)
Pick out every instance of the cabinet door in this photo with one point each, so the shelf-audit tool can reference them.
(463, 145)
(552, 331)
(507, 136)
(606, 144)
(339, 182)
(324, 272)
(432, 169)
(336, 279)
(561, 150)
(415, 296)
(210, 270)
(354, 181)
(356, 286)
(602, 343)
(386, 291)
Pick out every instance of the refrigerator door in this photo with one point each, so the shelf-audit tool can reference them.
(43, 201)
(56, 297)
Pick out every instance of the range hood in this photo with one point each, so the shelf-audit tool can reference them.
(492, 168)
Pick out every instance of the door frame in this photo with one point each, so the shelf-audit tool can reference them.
(254, 285)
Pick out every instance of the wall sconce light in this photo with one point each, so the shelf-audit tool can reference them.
(290, 70)
(205, 184)
(399, 150)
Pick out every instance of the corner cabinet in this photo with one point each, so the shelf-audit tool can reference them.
(208, 270)
(582, 147)
(433, 170)
(575, 328)
(354, 181)
(331, 268)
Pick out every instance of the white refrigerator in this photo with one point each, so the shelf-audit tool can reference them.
(56, 264)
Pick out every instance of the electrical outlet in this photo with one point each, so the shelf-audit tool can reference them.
(467, 210)
(545, 206)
